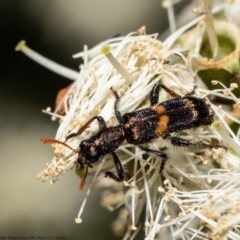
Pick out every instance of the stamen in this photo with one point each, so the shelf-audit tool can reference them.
(106, 50)
(55, 67)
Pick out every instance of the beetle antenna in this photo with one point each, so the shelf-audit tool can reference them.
(82, 183)
(51, 140)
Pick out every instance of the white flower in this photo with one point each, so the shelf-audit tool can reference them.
(193, 198)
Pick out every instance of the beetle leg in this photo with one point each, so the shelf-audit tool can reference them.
(173, 94)
(154, 95)
(117, 113)
(169, 91)
(162, 155)
(180, 142)
(118, 165)
(101, 122)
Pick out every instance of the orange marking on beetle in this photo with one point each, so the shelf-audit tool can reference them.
(159, 109)
(162, 127)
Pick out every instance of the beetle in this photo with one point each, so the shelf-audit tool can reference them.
(143, 126)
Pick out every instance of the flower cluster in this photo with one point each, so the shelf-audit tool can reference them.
(198, 194)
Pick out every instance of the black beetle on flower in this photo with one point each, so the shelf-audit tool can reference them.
(140, 127)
